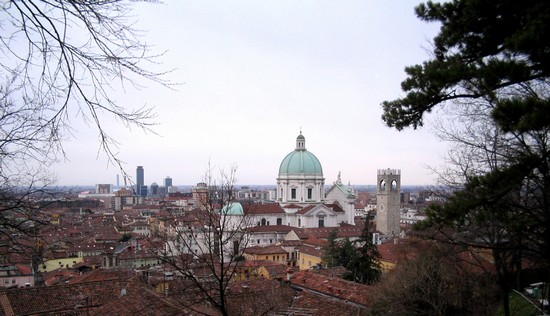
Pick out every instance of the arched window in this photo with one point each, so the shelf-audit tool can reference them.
(394, 185)
(279, 221)
(264, 221)
(382, 185)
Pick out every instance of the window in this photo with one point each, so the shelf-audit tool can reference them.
(263, 221)
(279, 221)
(293, 194)
(299, 222)
(309, 263)
(271, 241)
(321, 221)
(309, 193)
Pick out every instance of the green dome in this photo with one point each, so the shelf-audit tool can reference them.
(300, 162)
(233, 209)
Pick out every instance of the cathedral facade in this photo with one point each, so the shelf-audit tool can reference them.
(300, 199)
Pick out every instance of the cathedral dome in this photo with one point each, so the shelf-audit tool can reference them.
(300, 161)
(233, 209)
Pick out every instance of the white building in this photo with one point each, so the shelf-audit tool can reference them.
(300, 197)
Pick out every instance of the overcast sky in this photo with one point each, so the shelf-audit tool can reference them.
(252, 74)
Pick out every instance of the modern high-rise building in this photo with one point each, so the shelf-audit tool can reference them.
(140, 176)
(167, 182)
(141, 188)
(154, 189)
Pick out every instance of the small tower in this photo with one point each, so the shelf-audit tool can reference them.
(388, 191)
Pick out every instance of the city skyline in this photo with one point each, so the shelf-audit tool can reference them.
(251, 77)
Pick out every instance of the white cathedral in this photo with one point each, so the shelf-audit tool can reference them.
(300, 199)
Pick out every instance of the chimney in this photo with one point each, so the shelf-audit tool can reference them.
(289, 273)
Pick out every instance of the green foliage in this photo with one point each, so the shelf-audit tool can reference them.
(494, 53)
(520, 306)
(485, 49)
(360, 257)
(435, 282)
(364, 266)
(332, 250)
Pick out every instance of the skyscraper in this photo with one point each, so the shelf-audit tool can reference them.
(140, 176)
(141, 188)
(167, 182)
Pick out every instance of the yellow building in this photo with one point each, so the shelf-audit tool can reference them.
(271, 253)
(309, 257)
(56, 263)
(389, 254)
(267, 269)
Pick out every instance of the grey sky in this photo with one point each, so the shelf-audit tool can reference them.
(253, 73)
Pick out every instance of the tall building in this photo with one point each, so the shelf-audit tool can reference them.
(140, 176)
(154, 189)
(388, 195)
(167, 182)
(141, 188)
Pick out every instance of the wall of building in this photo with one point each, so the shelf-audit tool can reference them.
(53, 264)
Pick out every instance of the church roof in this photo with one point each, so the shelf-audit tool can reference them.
(264, 209)
(233, 209)
(300, 161)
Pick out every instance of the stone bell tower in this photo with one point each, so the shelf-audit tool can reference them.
(388, 192)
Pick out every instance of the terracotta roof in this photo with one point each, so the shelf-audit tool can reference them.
(348, 231)
(291, 243)
(276, 271)
(271, 228)
(260, 263)
(335, 287)
(259, 297)
(306, 209)
(24, 269)
(60, 298)
(343, 231)
(312, 251)
(390, 252)
(139, 300)
(263, 209)
(258, 250)
(292, 206)
(335, 207)
(311, 303)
